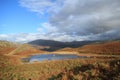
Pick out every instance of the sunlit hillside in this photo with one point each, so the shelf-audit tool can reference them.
(25, 49)
(6, 47)
(59, 39)
(112, 47)
(13, 68)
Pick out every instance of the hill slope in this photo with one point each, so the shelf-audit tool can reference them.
(25, 49)
(6, 47)
(111, 47)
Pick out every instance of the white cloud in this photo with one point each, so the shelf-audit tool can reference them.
(74, 20)
(26, 37)
(41, 6)
(47, 28)
(96, 16)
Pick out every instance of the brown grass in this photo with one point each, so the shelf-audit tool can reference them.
(25, 49)
(112, 47)
(103, 48)
(10, 69)
(6, 47)
(96, 71)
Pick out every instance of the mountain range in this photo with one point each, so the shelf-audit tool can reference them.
(43, 46)
(51, 45)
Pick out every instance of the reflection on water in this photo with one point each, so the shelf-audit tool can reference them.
(42, 57)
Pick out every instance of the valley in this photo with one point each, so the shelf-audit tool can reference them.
(59, 39)
(100, 60)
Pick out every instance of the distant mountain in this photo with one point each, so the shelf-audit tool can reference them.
(47, 43)
(41, 46)
(51, 45)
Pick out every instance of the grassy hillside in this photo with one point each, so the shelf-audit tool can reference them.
(6, 47)
(112, 47)
(107, 70)
(25, 49)
(74, 69)
(68, 49)
(17, 49)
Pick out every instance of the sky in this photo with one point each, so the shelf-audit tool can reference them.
(61, 20)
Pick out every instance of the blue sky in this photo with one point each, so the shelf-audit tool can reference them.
(16, 19)
(61, 20)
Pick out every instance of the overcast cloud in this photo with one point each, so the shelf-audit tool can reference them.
(76, 19)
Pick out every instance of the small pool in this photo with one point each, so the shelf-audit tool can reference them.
(43, 57)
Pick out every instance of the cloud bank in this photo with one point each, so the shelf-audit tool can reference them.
(77, 19)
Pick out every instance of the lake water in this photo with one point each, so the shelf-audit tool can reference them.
(43, 57)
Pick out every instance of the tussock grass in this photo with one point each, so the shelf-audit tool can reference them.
(109, 70)
(47, 70)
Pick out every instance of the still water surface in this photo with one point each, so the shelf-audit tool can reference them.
(43, 57)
